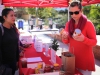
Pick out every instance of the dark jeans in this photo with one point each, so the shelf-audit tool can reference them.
(50, 26)
(41, 27)
(12, 65)
(31, 26)
(20, 28)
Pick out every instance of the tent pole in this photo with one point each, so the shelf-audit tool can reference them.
(68, 13)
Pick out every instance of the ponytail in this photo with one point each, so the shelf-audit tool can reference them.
(17, 31)
(1, 19)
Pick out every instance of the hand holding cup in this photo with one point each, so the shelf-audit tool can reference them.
(77, 35)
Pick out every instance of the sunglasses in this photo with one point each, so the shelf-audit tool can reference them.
(76, 13)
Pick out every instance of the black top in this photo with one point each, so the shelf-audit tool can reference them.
(9, 45)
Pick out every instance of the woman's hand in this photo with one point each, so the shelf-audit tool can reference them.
(17, 65)
(26, 45)
(21, 48)
(78, 37)
(21, 53)
(64, 35)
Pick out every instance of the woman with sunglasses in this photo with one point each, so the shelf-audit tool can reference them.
(80, 45)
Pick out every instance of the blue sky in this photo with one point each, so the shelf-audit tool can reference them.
(60, 8)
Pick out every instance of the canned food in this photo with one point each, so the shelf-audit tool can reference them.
(37, 70)
(56, 67)
(40, 65)
(77, 32)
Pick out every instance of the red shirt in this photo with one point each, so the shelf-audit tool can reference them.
(84, 58)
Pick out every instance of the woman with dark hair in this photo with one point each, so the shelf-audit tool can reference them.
(80, 45)
(9, 41)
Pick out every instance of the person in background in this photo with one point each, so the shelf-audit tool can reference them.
(80, 45)
(31, 22)
(9, 42)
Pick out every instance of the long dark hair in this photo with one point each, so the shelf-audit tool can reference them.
(5, 12)
(82, 21)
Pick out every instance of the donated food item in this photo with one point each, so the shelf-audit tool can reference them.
(40, 65)
(24, 62)
(37, 70)
(47, 68)
(67, 54)
(61, 30)
(56, 67)
(77, 32)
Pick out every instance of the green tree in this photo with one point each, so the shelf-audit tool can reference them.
(93, 13)
(61, 18)
(20, 11)
(86, 10)
(95, 17)
(47, 12)
(31, 11)
(53, 13)
(40, 12)
(63, 11)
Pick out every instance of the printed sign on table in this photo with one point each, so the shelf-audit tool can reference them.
(38, 45)
(53, 56)
(46, 46)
